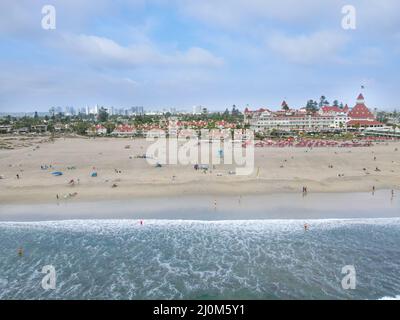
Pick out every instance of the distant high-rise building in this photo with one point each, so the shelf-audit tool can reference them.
(58, 110)
(69, 111)
(197, 110)
(138, 110)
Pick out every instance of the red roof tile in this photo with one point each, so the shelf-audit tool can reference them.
(352, 123)
(360, 111)
(328, 109)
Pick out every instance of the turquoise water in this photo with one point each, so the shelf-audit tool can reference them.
(184, 259)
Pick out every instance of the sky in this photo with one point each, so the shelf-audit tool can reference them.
(181, 53)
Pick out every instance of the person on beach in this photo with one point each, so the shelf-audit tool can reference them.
(305, 227)
(17, 176)
(57, 196)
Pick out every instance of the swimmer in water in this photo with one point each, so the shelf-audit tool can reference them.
(20, 252)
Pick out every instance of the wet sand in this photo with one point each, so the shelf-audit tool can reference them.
(272, 206)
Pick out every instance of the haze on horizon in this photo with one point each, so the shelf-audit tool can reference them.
(159, 53)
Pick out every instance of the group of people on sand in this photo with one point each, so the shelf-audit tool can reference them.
(72, 182)
(69, 195)
(374, 189)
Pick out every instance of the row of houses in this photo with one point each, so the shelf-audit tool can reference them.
(8, 129)
(157, 131)
(173, 126)
(328, 118)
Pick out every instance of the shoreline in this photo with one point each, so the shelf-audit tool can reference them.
(277, 206)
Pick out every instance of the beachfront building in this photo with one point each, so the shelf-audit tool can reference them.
(296, 120)
(334, 110)
(328, 118)
(146, 130)
(6, 129)
(124, 130)
(23, 130)
(40, 128)
(360, 117)
(98, 130)
(61, 128)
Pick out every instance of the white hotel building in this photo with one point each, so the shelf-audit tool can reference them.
(328, 118)
(295, 120)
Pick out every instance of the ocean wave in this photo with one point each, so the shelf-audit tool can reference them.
(109, 225)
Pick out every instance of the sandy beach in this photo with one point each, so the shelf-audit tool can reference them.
(277, 170)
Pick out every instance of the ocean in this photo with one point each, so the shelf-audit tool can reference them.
(194, 259)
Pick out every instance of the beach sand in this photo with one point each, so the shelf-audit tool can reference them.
(277, 170)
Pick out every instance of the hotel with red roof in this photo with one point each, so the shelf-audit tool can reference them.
(328, 118)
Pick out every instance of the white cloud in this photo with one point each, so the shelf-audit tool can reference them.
(234, 13)
(102, 51)
(319, 47)
(198, 57)
(22, 18)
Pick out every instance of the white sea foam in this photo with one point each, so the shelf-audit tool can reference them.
(391, 298)
(87, 223)
(168, 259)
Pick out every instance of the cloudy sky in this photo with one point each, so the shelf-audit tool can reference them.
(180, 53)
